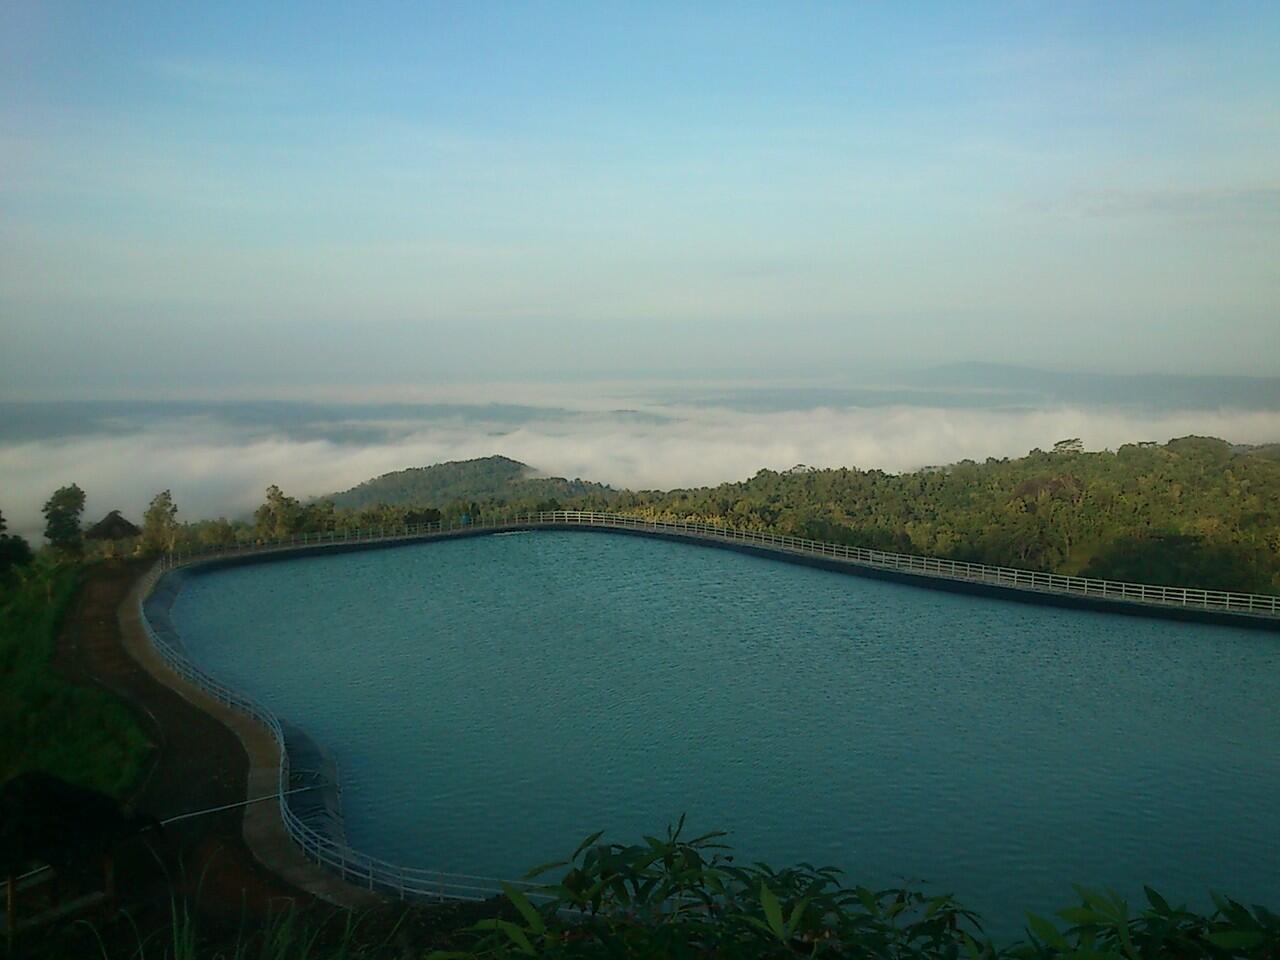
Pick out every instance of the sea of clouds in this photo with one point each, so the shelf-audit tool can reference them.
(217, 466)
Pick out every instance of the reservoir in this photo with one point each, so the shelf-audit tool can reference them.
(492, 700)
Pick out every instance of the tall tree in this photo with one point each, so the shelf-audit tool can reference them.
(160, 523)
(62, 519)
(280, 516)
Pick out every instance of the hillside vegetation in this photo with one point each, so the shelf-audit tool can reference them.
(48, 723)
(487, 478)
(1193, 512)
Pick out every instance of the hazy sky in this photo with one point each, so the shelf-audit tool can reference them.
(264, 195)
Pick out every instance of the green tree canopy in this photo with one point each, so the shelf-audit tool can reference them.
(62, 515)
(160, 523)
(280, 516)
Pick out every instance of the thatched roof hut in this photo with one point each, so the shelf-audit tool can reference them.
(112, 527)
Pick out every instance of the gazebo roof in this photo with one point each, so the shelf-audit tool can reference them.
(112, 527)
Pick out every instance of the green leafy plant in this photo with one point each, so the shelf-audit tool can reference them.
(674, 897)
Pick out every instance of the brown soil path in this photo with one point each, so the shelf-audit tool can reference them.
(199, 764)
(206, 757)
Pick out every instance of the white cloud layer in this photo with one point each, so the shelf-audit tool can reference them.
(214, 470)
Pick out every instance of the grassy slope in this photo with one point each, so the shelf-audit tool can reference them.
(47, 723)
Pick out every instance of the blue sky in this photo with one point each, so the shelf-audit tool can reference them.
(245, 197)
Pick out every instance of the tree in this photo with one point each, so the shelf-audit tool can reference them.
(62, 519)
(319, 517)
(1073, 445)
(211, 533)
(160, 523)
(14, 551)
(414, 518)
(281, 516)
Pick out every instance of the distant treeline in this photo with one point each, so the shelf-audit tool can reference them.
(1193, 512)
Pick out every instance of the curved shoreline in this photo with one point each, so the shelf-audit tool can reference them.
(300, 852)
(262, 829)
(277, 836)
(1127, 599)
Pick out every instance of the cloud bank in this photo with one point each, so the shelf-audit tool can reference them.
(222, 469)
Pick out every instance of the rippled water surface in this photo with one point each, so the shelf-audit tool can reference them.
(492, 700)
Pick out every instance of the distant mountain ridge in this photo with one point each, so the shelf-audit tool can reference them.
(485, 478)
(1154, 390)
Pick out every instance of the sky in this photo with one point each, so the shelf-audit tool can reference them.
(680, 241)
(256, 199)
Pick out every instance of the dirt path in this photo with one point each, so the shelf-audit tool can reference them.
(199, 763)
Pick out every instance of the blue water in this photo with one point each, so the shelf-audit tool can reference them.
(493, 700)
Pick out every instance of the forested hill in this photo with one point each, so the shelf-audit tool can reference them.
(485, 479)
(1193, 512)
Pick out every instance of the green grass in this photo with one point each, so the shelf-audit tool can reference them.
(76, 732)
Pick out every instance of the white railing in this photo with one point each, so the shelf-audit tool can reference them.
(1010, 577)
(375, 874)
(353, 866)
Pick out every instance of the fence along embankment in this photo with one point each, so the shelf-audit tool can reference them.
(1147, 599)
(321, 838)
